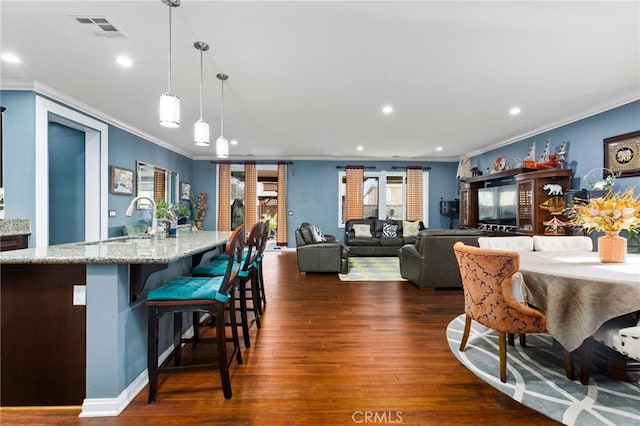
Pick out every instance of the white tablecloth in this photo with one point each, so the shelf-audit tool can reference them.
(578, 293)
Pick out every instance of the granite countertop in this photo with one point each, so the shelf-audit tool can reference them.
(138, 249)
(10, 227)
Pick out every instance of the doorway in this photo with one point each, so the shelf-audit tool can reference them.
(96, 175)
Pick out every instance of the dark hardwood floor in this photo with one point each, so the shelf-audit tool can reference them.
(328, 353)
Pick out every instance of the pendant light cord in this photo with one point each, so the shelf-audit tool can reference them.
(201, 83)
(170, 7)
(222, 110)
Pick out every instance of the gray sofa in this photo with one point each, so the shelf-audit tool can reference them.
(320, 256)
(377, 244)
(430, 262)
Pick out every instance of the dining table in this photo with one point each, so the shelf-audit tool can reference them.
(578, 292)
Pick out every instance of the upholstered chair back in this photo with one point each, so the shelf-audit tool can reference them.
(488, 296)
(517, 243)
(555, 243)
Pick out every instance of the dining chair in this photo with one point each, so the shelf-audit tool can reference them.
(519, 243)
(558, 243)
(246, 281)
(206, 295)
(488, 296)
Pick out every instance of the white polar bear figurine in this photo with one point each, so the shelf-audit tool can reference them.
(553, 188)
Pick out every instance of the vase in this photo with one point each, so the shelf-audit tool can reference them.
(612, 248)
(199, 224)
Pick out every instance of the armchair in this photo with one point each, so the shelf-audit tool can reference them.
(315, 255)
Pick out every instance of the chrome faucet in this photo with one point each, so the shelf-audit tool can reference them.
(154, 221)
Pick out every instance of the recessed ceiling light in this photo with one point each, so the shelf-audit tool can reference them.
(514, 111)
(439, 148)
(387, 109)
(360, 148)
(11, 58)
(233, 142)
(124, 61)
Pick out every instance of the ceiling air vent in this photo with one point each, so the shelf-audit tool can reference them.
(99, 26)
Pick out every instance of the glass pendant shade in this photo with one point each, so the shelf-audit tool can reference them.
(169, 110)
(222, 147)
(201, 133)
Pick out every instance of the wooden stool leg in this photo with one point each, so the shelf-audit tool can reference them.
(177, 337)
(152, 353)
(234, 327)
(244, 321)
(255, 297)
(263, 296)
(195, 320)
(222, 350)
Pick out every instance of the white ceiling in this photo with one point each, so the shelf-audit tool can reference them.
(308, 79)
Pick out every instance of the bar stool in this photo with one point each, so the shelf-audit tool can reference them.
(196, 295)
(246, 275)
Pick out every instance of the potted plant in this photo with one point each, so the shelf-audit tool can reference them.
(183, 212)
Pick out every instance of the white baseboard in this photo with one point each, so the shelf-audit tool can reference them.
(111, 407)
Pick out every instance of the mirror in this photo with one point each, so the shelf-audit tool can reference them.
(157, 183)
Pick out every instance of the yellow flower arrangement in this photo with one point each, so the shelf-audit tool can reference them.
(613, 212)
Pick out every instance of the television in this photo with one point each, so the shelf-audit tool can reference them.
(497, 205)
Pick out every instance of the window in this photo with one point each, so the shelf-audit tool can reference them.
(384, 195)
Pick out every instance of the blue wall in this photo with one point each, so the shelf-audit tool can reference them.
(124, 150)
(312, 192)
(586, 147)
(19, 169)
(66, 184)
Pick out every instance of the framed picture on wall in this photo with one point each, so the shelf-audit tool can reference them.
(185, 191)
(622, 154)
(121, 181)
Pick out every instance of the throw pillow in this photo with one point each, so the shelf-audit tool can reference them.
(410, 229)
(362, 230)
(389, 230)
(318, 236)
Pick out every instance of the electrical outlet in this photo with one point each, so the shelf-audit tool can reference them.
(112, 213)
(290, 212)
(79, 295)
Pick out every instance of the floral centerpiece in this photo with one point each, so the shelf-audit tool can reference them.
(610, 214)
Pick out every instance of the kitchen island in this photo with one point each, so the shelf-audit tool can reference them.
(74, 319)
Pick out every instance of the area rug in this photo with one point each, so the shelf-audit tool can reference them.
(373, 269)
(536, 378)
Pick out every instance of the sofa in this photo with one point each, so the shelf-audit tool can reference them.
(379, 237)
(318, 252)
(431, 262)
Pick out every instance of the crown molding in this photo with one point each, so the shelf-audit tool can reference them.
(70, 102)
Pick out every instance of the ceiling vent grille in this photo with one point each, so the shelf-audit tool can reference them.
(100, 26)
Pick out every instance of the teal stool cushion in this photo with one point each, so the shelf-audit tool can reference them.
(216, 267)
(187, 288)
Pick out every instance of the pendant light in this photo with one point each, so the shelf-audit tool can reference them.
(201, 127)
(222, 144)
(170, 104)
